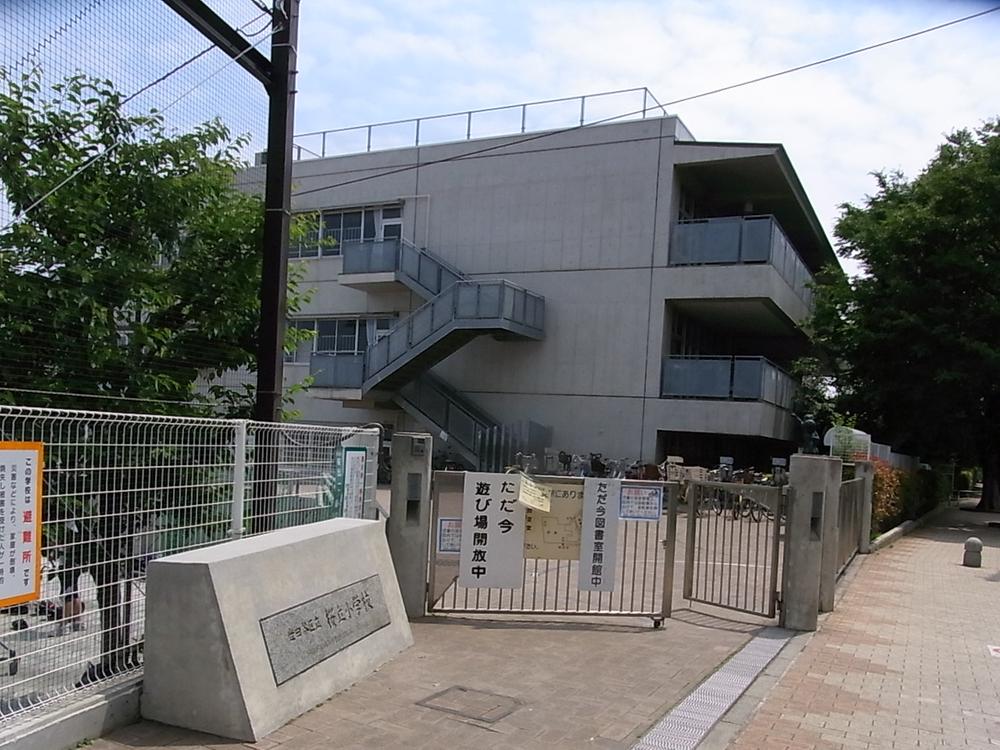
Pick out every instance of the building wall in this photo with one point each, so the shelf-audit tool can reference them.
(582, 218)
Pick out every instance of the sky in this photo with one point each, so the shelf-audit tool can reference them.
(886, 109)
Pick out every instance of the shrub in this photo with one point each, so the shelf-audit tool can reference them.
(887, 506)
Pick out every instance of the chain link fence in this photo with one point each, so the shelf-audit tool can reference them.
(121, 490)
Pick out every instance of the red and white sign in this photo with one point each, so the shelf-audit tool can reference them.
(20, 522)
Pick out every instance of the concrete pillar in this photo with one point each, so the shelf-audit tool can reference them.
(408, 525)
(866, 470)
(810, 478)
(833, 477)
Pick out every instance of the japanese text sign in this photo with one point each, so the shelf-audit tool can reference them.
(639, 503)
(599, 535)
(555, 535)
(20, 522)
(492, 554)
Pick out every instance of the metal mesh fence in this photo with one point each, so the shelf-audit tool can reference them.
(120, 490)
(123, 135)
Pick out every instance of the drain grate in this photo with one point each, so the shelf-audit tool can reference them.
(691, 719)
(478, 705)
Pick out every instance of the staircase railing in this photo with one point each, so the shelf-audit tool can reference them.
(421, 270)
(465, 304)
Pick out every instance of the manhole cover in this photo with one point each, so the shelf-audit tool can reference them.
(472, 704)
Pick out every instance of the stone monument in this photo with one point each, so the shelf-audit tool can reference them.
(244, 636)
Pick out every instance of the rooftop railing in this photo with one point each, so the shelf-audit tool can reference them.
(589, 109)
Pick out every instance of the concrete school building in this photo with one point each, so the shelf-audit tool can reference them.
(621, 288)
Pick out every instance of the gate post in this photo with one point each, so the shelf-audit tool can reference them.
(408, 525)
(810, 481)
(669, 551)
(831, 534)
(866, 470)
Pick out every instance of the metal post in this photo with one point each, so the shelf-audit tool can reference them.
(416, 140)
(369, 147)
(239, 478)
(468, 127)
(322, 148)
(524, 116)
(692, 514)
(277, 212)
(669, 551)
(583, 101)
(645, 93)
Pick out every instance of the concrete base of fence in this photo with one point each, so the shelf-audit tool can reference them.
(91, 716)
(894, 534)
(244, 636)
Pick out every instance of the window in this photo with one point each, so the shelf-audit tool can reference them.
(304, 348)
(334, 229)
(338, 336)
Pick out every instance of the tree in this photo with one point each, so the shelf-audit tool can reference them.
(135, 268)
(132, 272)
(915, 339)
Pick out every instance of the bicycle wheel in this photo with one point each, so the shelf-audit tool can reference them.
(756, 512)
(716, 503)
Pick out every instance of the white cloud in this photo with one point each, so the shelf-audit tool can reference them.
(887, 108)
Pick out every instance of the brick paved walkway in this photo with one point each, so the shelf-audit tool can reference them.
(903, 661)
(597, 684)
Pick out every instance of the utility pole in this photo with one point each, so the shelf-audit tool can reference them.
(277, 212)
(278, 77)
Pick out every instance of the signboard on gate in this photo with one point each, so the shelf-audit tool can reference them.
(641, 503)
(492, 550)
(555, 535)
(20, 522)
(599, 536)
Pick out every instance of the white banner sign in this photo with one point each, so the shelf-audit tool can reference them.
(20, 522)
(599, 535)
(492, 554)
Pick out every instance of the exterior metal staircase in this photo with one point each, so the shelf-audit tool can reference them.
(457, 310)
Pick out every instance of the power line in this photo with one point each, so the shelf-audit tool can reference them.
(721, 89)
(103, 154)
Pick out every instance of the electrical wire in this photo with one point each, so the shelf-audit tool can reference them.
(692, 97)
(110, 149)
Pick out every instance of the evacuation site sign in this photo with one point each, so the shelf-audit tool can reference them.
(20, 522)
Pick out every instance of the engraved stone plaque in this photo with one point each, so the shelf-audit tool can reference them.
(302, 636)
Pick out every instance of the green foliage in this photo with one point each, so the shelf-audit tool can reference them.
(136, 268)
(815, 396)
(887, 507)
(913, 341)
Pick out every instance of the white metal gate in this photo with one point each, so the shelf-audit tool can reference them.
(734, 545)
(643, 567)
(852, 498)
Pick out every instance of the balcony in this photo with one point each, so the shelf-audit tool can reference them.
(338, 371)
(741, 240)
(727, 378)
(374, 265)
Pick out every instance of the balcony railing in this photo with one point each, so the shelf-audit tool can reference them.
(731, 378)
(337, 370)
(737, 240)
(468, 302)
(428, 272)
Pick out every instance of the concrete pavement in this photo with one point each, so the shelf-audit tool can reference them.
(904, 660)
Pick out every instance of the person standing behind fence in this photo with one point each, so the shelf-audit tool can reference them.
(69, 573)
